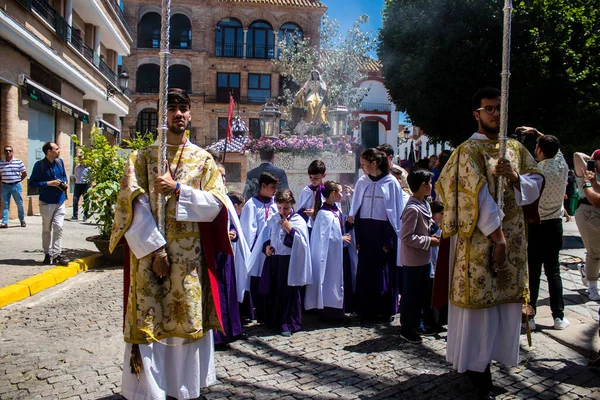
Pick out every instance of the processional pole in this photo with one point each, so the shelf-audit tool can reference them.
(502, 136)
(162, 105)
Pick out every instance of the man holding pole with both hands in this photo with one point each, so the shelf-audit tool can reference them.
(486, 245)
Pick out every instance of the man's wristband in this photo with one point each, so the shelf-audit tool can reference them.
(587, 185)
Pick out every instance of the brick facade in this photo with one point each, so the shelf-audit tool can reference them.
(202, 58)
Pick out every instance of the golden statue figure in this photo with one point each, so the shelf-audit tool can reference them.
(311, 97)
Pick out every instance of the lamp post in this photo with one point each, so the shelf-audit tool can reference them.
(338, 120)
(123, 83)
(270, 119)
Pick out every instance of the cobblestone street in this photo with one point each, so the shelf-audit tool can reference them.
(66, 342)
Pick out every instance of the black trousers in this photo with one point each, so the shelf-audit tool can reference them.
(544, 245)
(414, 296)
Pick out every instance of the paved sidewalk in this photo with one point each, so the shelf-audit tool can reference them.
(21, 253)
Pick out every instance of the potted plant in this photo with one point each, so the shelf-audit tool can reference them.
(105, 164)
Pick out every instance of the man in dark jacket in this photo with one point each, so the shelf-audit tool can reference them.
(267, 153)
(50, 177)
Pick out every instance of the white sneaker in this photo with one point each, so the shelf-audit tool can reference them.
(531, 325)
(581, 268)
(593, 294)
(560, 324)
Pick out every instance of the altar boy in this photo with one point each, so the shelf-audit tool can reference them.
(255, 214)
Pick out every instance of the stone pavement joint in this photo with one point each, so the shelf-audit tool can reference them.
(35, 284)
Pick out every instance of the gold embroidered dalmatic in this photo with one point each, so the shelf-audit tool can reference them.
(182, 306)
(472, 284)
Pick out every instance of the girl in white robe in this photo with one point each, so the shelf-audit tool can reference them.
(331, 290)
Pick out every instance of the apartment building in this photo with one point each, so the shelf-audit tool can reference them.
(59, 76)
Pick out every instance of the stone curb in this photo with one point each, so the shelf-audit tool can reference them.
(52, 277)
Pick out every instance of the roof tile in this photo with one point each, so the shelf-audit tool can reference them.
(294, 3)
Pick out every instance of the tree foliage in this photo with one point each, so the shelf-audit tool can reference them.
(437, 53)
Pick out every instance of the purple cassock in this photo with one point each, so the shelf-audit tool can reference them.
(230, 313)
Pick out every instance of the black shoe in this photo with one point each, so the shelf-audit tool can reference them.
(242, 336)
(410, 337)
(425, 331)
(222, 347)
(47, 260)
(59, 260)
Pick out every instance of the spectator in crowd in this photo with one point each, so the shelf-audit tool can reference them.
(545, 239)
(50, 177)
(12, 172)
(587, 217)
(81, 187)
(571, 195)
(267, 155)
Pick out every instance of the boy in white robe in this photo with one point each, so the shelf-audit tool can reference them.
(311, 196)
(255, 214)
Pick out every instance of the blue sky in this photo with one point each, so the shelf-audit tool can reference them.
(347, 11)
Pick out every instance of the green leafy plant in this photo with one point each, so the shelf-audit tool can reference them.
(105, 164)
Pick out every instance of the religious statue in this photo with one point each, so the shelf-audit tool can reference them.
(311, 96)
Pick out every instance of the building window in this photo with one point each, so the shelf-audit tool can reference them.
(147, 121)
(147, 78)
(222, 128)
(181, 32)
(260, 41)
(288, 30)
(180, 77)
(259, 88)
(254, 127)
(229, 38)
(149, 31)
(226, 84)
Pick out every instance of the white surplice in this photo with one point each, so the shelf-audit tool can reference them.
(255, 215)
(478, 336)
(327, 257)
(174, 366)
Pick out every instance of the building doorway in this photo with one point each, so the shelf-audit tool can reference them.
(42, 129)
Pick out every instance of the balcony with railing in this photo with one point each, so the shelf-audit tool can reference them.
(382, 107)
(229, 50)
(260, 51)
(224, 99)
(116, 9)
(67, 34)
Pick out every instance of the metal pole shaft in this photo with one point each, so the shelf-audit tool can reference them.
(162, 105)
(502, 137)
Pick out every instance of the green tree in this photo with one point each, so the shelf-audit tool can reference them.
(437, 53)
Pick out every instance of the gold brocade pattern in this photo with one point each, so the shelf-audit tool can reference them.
(182, 306)
(472, 284)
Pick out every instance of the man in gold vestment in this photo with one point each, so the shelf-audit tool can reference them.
(488, 253)
(172, 298)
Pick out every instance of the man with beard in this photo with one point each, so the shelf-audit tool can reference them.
(487, 246)
(172, 299)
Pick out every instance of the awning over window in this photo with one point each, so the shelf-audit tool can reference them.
(108, 128)
(40, 94)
